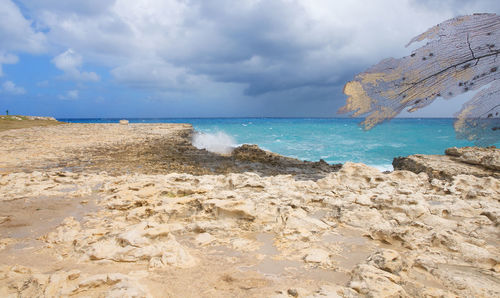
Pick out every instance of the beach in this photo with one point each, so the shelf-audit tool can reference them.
(136, 210)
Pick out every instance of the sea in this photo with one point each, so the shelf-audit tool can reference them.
(335, 140)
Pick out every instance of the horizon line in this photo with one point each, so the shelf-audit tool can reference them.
(245, 117)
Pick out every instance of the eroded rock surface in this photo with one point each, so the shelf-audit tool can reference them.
(369, 233)
(488, 158)
(476, 161)
(354, 232)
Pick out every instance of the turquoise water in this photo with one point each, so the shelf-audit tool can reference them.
(333, 140)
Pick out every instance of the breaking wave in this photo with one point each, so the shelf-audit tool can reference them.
(218, 142)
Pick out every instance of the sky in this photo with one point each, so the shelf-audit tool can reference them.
(204, 58)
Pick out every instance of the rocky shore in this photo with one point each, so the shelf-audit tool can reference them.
(479, 162)
(137, 211)
(138, 148)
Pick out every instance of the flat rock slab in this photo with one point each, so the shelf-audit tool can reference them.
(479, 162)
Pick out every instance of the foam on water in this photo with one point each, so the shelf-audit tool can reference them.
(218, 142)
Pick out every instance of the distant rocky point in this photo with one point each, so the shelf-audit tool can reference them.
(8, 122)
(476, 161)
(18, 117)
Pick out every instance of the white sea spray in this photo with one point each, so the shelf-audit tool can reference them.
(218, 142)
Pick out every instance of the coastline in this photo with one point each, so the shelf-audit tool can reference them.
(139, 148)
(333, 140)
(135, 209)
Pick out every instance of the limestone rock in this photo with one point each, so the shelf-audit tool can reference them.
(335, 291)
(233, 209)
(485, 157)
(318, 256)
(387, 259)
(479, 162)
(66, 232)
(374, 282)
(204, 239)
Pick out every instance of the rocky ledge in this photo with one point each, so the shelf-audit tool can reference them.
(475, 161)
(139, 148)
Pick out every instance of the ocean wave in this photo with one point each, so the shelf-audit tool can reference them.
(218, 142)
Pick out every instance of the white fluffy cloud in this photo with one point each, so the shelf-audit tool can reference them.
(16, 34)
(11, 88)
(70, 62)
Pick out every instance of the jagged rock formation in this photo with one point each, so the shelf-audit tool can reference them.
(479, 162)
(266, 161)
(461, 56)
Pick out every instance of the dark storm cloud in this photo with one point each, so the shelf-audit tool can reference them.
(269, 46)
(275, 45)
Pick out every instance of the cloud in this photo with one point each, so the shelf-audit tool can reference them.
(73, 94)
(268, 48)
(7, 59)
(43, 84)
(70, 63)
(266, 45)
(17, 33)
(156, 74)
(87, 7)
(11, 88)
(70, 95)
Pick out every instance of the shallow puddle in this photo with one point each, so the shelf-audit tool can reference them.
(269, 266)
(31, 218)
(355, 247)
(35, 217)
(267, 240)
